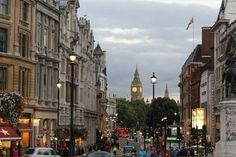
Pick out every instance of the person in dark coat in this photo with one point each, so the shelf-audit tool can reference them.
(66, 152)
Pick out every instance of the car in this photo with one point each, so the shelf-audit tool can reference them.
(201, 149)
(100, 154)
(40, 152)
(128, 151)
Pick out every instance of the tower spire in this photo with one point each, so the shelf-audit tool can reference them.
(136, 86)
(166, 94)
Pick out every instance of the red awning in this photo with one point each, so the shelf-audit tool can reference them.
(8, 133)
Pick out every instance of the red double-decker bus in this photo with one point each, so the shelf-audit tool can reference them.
(122, 132)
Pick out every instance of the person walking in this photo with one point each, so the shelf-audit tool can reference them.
(15, 152)
(4, 152)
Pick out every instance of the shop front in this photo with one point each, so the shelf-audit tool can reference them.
(46, 128)
(25, 128)
(9, 139)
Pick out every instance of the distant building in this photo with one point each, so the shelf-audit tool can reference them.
(136, 87)
(166, 94)
(190, 79)
(101, 83)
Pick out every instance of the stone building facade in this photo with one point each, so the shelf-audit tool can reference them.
(190, 80)
(36, 39)
(87, 81)
(47, 68)
(17, 60)
(76, 37)
(223, 30)
(101, 84)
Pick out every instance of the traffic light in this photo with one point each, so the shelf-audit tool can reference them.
(193, 131)
(168, 132)
(204, 130)
(179, 136)
(160, 132)
(178, 131)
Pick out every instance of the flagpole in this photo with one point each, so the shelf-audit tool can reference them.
(193, 32)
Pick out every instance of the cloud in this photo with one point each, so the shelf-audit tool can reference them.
(210, 3)
(129, 41)
(123, 31)
(149, 34)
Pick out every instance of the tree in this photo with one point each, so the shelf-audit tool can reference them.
(11, 106)
(162, 107)
(131, 114)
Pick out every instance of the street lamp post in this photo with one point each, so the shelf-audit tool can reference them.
(58, 102)
(163, 120)
(72, 138)
(153, 81)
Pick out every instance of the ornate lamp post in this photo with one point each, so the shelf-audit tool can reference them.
(72, 137)
(164, 119)
(58, 102)
(153, 81)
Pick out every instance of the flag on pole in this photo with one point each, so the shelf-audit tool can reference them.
(190, 22)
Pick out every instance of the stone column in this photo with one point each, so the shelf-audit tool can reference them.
(227, 144)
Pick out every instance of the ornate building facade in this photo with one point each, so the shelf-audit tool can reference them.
(17, 61)
(47, 69)
(101, 84)
(36, 39)
(88, 115)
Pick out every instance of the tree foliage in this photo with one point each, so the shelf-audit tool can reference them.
(11, 106)
(64, 133)
(160, 108)
(138, 114)
(131, 114)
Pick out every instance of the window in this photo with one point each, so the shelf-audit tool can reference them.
(53, 36)
(3, 77)
(24, 77)
(45, 33)
(23, 45)
(3, 40)
(39, 31)
(4, 7)
(25, 8)
(204, 93)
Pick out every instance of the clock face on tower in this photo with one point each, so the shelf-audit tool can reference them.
(134, 89)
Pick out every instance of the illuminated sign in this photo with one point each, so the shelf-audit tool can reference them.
(198, 118)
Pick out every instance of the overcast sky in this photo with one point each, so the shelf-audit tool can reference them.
(149, 34)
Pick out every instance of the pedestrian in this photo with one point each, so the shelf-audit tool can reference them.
(80, 150)
(142, 153)
(15, 152)
(4, 152)
(114, 149)
(66, 152)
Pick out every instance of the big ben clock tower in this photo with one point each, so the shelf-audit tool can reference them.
(136, 87)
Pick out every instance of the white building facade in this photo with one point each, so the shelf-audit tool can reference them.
(207, 102)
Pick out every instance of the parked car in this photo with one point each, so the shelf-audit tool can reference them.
(128, 151)
(201, 149)
(100, 154)
(40, 152)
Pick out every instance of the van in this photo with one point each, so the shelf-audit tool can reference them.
(128, 151)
